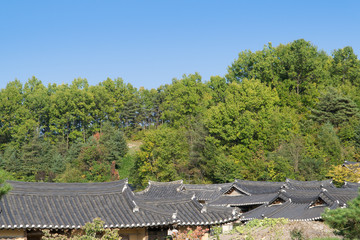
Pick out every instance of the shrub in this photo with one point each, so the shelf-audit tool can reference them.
(345, 221)
(193, 234)
(91, 231)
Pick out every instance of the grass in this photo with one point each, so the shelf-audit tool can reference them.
(127, 162)
(134, 146)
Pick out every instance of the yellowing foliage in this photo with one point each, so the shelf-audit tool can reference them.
(349, 173)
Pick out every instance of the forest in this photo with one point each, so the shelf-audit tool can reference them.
(290, 111)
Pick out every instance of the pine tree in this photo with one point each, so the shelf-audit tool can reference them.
(346, 221)
(334, 108)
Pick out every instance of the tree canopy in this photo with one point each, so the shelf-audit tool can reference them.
(290, 110)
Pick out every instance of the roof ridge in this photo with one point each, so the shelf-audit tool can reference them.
(46, 188)
(166, 183)
(155, 183)
(239, 188)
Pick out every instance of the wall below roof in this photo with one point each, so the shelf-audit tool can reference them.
(133, 234)
(18, 234)
(185, 229)
(128, 234)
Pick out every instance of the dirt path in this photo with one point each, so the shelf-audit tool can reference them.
(301, 230)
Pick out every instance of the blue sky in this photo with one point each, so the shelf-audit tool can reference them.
(148, 43)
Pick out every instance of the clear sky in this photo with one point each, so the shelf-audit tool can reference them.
(148, 43)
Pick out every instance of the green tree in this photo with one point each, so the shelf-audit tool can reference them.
(350, 173)
(92, 161)
(61, 113)
(185, 100)
(345, 67)
(12, 115)
(334, 108)
(163, 156)
(71, 111)
(4, 186)
(11, 158)
(243, 116)
(71, 174)
(114, 142)
(35, 160)
(36, 103)
(126, 103)
(330, 144)
(103, 109)
(263, 65)
(83, 103)
(218, 86)
(248, 123)
(290, 154)
(295, 70)
(220, 168)
(346, 221)
(302, 64)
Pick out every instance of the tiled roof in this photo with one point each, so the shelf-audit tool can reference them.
(350, 163)
(236, 201)
(292, 211)
(164, 190)
(340, 194)
(302, 205)
(308, 185)
(258, 187)
(191, 212)
(298, 196)
(296, 200)
(206, 192)
(71, 205)
(351, 185)
(172, 197)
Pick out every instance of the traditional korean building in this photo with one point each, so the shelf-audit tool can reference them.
(292, 199)
(170, 196)
(302, 205)
(207, 192)
(31, 207)
(258, 187)
(351, 185)
(162, 207)
(308, 185)
(247, 195)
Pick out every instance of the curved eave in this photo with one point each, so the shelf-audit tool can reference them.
(291, 220)
(238, 204)
(68, 227)
(248, 204)
(226, 220)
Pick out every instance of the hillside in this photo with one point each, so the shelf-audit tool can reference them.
(290, 111)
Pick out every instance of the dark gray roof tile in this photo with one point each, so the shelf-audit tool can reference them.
(42, 205)
(289, 210)
(258, 187)
(164, 190)
(191, 212)
(354, 185)
(302, 205)
(243, 200)
(176, 197)
(308, 185)
(206, 192)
